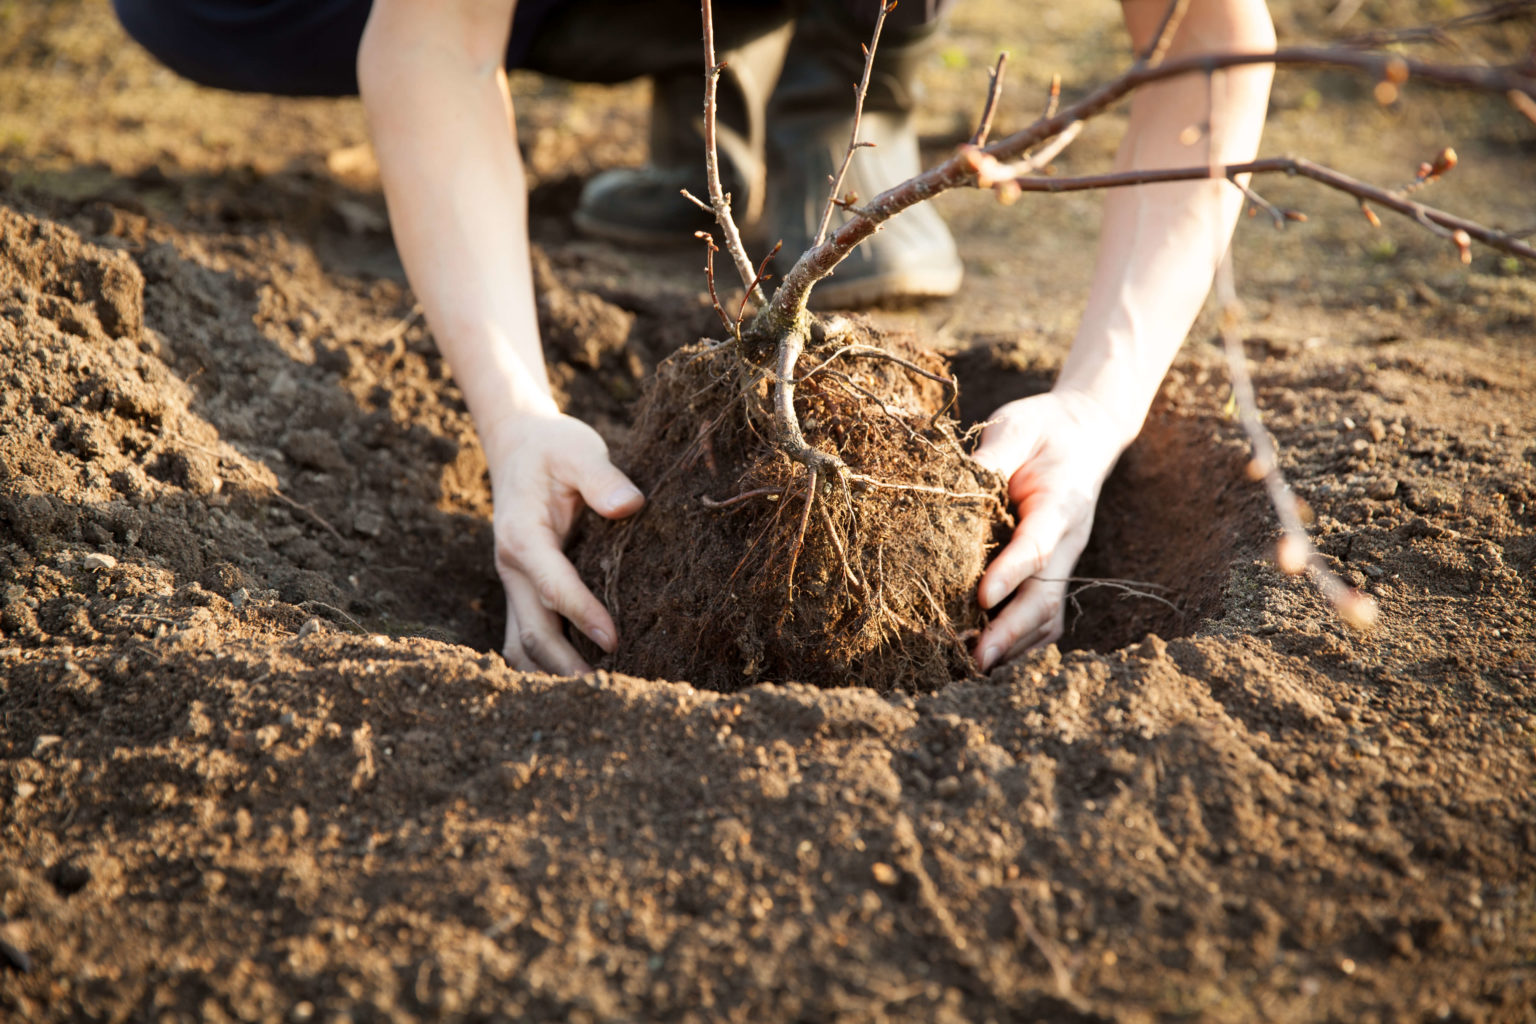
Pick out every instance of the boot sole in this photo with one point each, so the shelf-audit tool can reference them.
(926, 283)
(631, 234)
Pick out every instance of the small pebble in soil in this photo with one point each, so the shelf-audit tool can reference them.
(883, 873)
(1382, 489)
(368, 523)
(98, 560)
(43, 742)
(14, 958)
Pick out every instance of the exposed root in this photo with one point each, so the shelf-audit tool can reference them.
(1126, 588)
(870, 352)
(770, 492)
(799, 545)
(869, 481)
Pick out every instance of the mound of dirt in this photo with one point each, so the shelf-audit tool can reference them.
(743, 567)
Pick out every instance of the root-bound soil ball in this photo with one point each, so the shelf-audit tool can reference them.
(746, 566)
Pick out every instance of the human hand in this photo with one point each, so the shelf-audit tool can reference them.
(1055, 451)
(544, 466)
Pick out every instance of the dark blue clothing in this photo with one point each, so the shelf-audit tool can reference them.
(286, 47)
(309, 47)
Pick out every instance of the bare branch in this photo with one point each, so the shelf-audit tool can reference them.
(962, 169)
(1052, 97)
(1153, 55)
(1438, 220)
(994, 97)
(758, 279)
(710, 249)
(719, 202)
(858, 111)
(1440, 32)
(1295, 553)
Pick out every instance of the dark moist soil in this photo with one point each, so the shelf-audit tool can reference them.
(744, 567)
(259, 760)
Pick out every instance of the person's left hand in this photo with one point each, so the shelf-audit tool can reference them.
(1054, 450)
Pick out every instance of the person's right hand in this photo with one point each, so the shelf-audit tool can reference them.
(1055, 451)
(544, 466)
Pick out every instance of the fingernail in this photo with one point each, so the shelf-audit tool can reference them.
(988, 656)
(620, 496)
(602, 639)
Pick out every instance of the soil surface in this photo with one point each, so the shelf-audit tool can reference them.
(259, 759)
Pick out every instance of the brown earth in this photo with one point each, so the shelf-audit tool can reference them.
(258, 759)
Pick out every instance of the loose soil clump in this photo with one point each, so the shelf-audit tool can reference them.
(738, 571)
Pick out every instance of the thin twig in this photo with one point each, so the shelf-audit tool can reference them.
(757, 281)
(1440, 32)
(709, 275)
(1295, 553)
(1426, 215)
(994, 97)
(853, 135)
(720, 203)
(1153, 55)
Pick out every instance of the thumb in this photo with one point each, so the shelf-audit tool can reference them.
(606, 490)
(1007, 444)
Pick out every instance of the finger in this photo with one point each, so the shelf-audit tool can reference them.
(535, 558)
(534, 635)
(606, 490)
(1007, 445)
(1035, 616)
(1035, 539)
(511, 645)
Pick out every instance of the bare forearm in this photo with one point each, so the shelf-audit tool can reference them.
(457, 199)
(1160, 244)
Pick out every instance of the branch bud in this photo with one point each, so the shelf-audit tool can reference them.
(1463, 244)
(1291, 555)
(1357, 610)
(1370, 215)
(1396, 71)
(988, 169)
(1008, 192)
(1444, 161)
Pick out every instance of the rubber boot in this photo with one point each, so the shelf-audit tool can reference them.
(644, 205)
(810, 116)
